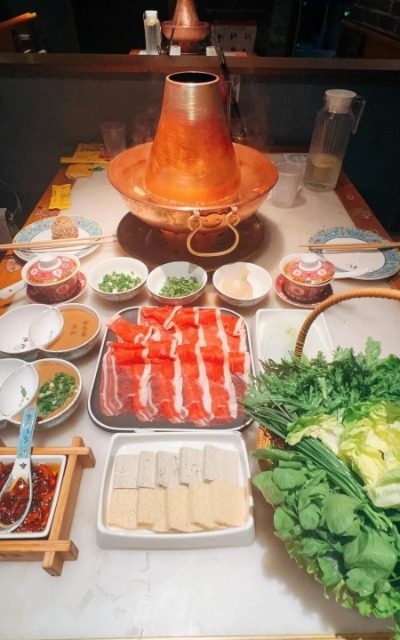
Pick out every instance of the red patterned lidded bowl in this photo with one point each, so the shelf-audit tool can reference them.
(306, 277)
(52, 278)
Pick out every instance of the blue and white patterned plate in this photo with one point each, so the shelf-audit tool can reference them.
(41, 230)
(382, 263)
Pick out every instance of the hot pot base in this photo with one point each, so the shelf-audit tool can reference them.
(156, 246)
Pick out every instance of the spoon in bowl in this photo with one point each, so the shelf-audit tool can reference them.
(46, 327)
(16, 494)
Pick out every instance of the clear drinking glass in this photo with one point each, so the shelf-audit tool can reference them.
(290, 178)
(114, 137)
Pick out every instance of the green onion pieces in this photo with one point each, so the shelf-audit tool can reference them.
(117, 282)
(174, 287)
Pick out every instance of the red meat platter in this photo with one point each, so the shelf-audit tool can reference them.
(172, 368)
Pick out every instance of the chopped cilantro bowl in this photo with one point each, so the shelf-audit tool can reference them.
(176, 287)
(177, 282)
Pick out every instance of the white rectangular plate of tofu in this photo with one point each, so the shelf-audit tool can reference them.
(175, 491)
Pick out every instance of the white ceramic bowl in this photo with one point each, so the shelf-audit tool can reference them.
(231, 282)
(159, 275)
(15, 326)
(46, 369)
(82, 327)
(122, 264)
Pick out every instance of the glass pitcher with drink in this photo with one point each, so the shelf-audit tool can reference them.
(333, 126)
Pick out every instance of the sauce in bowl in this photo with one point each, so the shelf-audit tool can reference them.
(44, 481)
(80, 325)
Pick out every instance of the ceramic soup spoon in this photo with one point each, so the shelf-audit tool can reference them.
(15, 394)
(46, 327)
(16, 495)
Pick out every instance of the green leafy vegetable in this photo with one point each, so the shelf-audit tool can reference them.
(117, 282)
(53, 393)
(331, 535)
(174, 287)
(349, 407)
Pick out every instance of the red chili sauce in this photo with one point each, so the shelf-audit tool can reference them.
(13, 503)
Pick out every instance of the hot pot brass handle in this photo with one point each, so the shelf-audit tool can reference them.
(196, 223)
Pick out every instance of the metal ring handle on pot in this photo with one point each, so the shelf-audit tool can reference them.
(195, 224)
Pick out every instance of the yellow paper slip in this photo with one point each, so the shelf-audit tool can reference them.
(60, 196)
(87, 153)
(81, 170)
(78, 160)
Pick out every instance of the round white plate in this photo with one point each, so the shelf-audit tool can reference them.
(382, 263)
(41, 230)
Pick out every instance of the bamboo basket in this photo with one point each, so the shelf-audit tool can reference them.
(264, 438)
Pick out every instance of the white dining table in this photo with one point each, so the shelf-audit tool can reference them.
(251, 590)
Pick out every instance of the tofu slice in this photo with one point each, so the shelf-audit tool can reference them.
(200, 513)
(190, 465)
(122, 509)
(125, 471)
(160, 508)
(178, 510)
(229, 503)
(220, 464)
(167, 474)
(147, 469)
(146, 508)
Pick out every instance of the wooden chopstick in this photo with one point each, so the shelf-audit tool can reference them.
(362, 246)
(63, 242)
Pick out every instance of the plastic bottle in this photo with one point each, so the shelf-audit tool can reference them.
(152, 32)
(333, 126)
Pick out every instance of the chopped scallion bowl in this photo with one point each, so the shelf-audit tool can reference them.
(116, 282)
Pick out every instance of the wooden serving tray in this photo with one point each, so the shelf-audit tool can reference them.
(57, 547)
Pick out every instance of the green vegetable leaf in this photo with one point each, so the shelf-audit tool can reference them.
(314, 546)
(361, 581)
(330, 571)
(310, 517)
(340, 513)
(287, 479)
(372, 551)
(264, 482)
(285, 524)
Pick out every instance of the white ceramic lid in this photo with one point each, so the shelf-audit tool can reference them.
(339, 100)
(307, 269)
(49, 269)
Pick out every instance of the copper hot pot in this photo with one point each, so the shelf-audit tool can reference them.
(192, 177)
